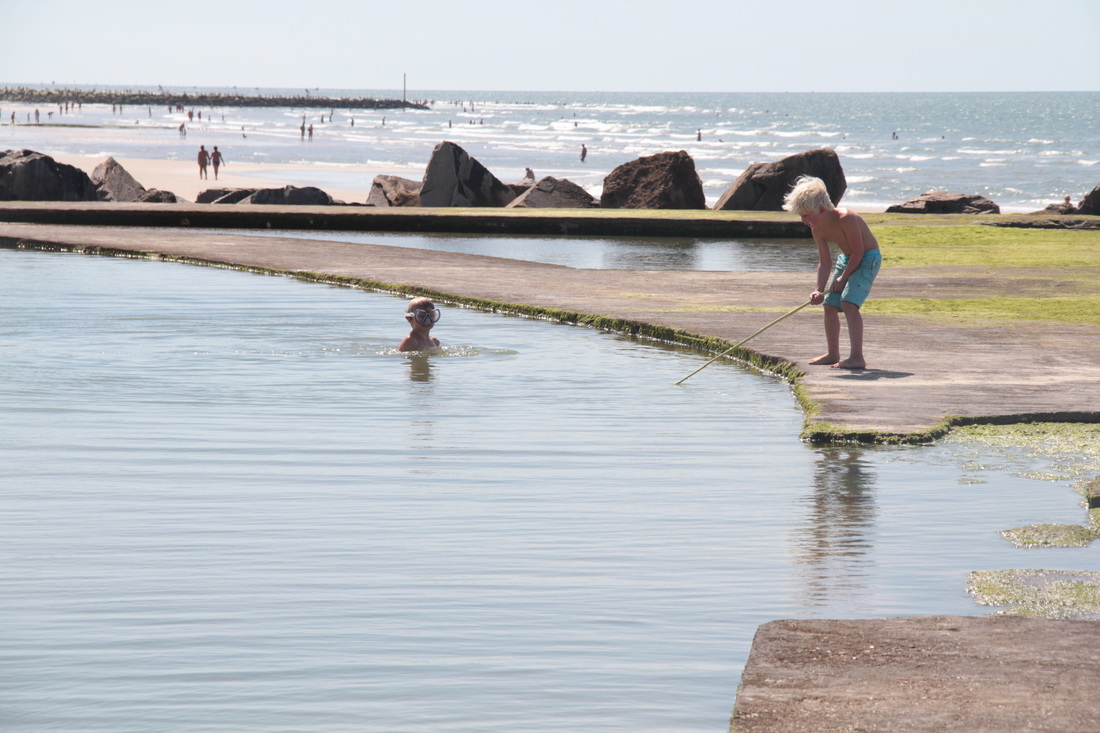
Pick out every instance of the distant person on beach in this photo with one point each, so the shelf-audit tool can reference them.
(584, 152)
(528, 175)
(422, 315)
(183, 131)
(309, 130)
(853, 274)
(204, 159)
(216, 160)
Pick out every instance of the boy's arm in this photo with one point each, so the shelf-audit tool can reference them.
(824, 266)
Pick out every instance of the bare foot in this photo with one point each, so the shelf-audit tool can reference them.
(851, 364)
(825, 359)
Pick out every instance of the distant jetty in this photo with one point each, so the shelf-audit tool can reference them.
(182, 99)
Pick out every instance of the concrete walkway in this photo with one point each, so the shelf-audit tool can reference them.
(918, 372)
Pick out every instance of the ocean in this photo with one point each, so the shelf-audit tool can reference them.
(1022, 150)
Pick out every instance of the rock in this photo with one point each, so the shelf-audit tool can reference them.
(156, 196)
(763, 185)
(114, 183)
(224, 195)
(388, 191)
(289, 196)
(554, 193)
(454, 178)
(1062, 209)
(211, 195)
(1090, 206)
(663, 181)
(31, 176)
(942, 202)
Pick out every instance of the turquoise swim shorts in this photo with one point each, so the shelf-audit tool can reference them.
(859, 284)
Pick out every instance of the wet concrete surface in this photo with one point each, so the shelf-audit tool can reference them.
(934, 674)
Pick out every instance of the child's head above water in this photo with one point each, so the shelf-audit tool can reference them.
(421, 314)
(809, 195)
(422, 311)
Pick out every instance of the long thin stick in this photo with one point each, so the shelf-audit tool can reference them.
(762, 330)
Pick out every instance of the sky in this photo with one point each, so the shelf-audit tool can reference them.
(560, 45)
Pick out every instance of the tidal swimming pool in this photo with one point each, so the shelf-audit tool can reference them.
(227, 504)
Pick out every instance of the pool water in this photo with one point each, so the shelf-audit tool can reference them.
(228, 504)
(596, 253)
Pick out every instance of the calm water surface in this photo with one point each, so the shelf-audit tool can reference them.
(227, 504)
(598, 253)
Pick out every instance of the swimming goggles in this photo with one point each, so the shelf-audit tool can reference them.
(423, 317)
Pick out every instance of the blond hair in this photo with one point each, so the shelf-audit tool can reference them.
(808, 195)
(417, 304)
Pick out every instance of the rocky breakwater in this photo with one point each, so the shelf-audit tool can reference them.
(186, 100)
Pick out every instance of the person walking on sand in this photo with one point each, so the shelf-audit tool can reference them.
(204, 159)
(216, 160)
(853, 274)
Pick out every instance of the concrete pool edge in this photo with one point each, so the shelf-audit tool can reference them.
(922, 673)
(824, 395)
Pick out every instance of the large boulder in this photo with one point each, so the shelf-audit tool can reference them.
(554, 193)
(290, 196)
(1090, 205)
(114, 183)
(30, 176)
(156, 196)
(454, 178)
(663, 181)
(224, 195)
(763, 185)
(387, 191)
(942, 202)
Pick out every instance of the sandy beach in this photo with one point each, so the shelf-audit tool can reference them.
(182, 177)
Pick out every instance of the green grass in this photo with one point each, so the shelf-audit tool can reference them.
(986, 246)
(1077, 309)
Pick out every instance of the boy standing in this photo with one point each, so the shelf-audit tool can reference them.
(853, 274)
(422, 315)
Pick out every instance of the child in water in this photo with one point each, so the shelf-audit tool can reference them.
(853, 274)
(422, 315)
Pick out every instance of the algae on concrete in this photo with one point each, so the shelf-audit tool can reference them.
(1056, 594)
(1050, 535)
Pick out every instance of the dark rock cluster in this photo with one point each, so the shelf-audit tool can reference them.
(455, 178)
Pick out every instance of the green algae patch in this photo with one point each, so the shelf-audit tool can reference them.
(1055, 594)
(1070, 450)
(984, 246)
(1078, 309)
(1050, 535)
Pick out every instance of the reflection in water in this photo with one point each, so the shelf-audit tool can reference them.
(833, 546)
(421, 402)
(420, 368)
